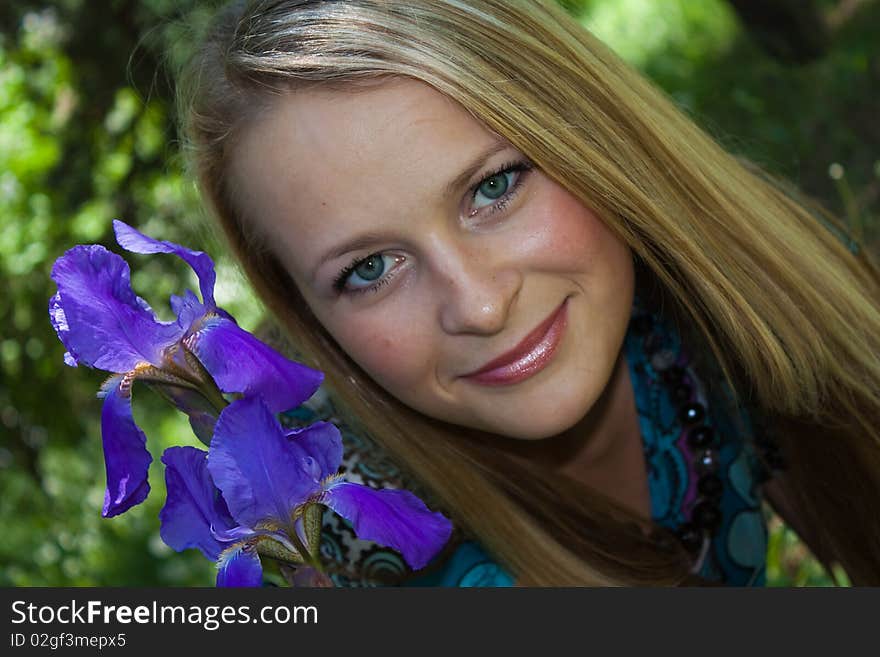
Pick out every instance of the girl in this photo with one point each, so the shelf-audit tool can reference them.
(596, 339)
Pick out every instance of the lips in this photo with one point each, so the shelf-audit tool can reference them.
(528, 357)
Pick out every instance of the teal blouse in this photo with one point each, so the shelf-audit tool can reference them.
(703, 475)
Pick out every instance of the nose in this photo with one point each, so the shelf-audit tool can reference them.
(477, 293)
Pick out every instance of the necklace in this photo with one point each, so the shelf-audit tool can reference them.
(704, 472)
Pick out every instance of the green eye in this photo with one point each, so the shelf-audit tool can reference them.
(370, 273)
(494, 187)
(371, 268)
(498, 188)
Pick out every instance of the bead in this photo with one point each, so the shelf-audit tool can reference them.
(662, 360)
(701, 436)
(710, 485)
(692, 413)
(682, 393)
(691, 537)
(707, 461)
(673, 375)
(706, 515)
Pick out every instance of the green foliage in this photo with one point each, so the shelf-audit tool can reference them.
(789, 562)
(814, 124)
(86, 135)
(78, 149)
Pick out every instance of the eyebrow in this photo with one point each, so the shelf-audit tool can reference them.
(366, 239)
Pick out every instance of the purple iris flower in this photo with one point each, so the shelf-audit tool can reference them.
(260, 489)
(192, 361)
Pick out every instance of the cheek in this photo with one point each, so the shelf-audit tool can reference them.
(569, 234)
(387, 349)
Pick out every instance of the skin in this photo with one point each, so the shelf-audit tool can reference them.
(464, 285)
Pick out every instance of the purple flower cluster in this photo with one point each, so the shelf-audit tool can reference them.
(259, 490)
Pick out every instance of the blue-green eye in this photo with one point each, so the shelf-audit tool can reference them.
(370, 270)
(499, 188)
(495, 187)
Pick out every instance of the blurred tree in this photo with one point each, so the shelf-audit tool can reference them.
(791, 30)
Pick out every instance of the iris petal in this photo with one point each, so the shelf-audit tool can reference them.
(395, 518)
(322, 442)
(135, 241)
(239, 362)
(239, 566)
(99, 318)
(188, 309)
(125, 453)
(260, 472)
(194, 514)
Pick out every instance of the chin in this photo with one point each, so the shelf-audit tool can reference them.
(536, 428)
(537, 423)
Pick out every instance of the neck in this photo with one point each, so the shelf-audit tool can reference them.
(604, 449)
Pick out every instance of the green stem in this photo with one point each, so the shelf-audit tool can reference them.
(214, 396)
(309, 558)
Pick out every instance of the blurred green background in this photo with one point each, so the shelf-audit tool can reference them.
(86, 135)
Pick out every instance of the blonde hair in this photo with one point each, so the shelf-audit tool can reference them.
(790, 314)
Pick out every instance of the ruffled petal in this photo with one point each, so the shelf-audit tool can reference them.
(239, 566)
(322, 442)
(262, 474)
(125, 453)
(236, 534)
(239, 362)
(194, 514)
(188, 309)
(395, 518)
(99, 318)
(133, 240)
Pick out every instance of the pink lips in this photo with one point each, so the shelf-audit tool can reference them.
(528, 357)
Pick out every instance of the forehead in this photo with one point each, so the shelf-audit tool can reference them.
(321, 160)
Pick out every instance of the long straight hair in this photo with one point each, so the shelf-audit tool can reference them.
(789, 313)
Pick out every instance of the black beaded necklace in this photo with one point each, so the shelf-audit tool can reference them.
(698, 440)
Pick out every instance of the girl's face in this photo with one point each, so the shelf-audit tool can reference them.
(429, 247)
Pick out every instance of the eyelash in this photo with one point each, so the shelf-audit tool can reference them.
(520, 166)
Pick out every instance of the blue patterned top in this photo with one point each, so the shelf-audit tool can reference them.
(702, 473)
(702, 468)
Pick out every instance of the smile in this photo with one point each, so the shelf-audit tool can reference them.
(529, 357)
